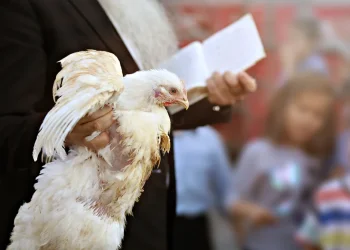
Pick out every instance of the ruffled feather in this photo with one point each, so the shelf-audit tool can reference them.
(87, 82)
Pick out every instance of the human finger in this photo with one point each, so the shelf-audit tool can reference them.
(99, 113)
(99, 142)
(214, 94)
(100, 124)
(232, 81)
(247, 82)
(221, 86)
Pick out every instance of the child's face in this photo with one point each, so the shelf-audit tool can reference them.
(305, 116)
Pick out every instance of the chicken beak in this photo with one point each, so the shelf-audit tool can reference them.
(184, 103)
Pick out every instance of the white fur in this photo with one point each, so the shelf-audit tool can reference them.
(146, 26)
(67, 209)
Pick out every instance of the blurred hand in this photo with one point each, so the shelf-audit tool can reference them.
(259, 216)
(255, 214)
(99, 121)
(226, 89)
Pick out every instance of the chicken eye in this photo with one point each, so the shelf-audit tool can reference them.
(173, 91)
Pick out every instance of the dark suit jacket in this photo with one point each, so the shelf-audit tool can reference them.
(35, 34)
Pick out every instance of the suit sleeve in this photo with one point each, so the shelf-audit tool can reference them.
(22, 74)
(201, 114)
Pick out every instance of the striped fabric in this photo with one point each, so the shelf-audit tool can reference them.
(333, 206)
(309, 232)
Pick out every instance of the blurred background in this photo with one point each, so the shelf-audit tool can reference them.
(198, 19)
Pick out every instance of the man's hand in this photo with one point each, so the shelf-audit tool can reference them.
(99, 121)
(226, 89)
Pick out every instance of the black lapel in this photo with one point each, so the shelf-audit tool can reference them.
(96, 17)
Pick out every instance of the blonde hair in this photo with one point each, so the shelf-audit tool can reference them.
(321, 145)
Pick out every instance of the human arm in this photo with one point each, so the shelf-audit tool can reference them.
(248, 170)
(223, 186)
(247, 178)
(224, 191)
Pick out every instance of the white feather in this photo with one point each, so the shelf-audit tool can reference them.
(86, 83)
(81, 200)
(93, 136)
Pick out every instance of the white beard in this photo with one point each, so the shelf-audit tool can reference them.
(145, 24)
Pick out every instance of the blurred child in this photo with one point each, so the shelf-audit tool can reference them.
(275, 172)
(300, 52)
(327, 227)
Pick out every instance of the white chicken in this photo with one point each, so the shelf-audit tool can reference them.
(82, 199)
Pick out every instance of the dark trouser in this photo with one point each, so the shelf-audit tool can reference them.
(191, 233)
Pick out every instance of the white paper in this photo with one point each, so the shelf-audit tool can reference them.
(235, 48)
(189, 65)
